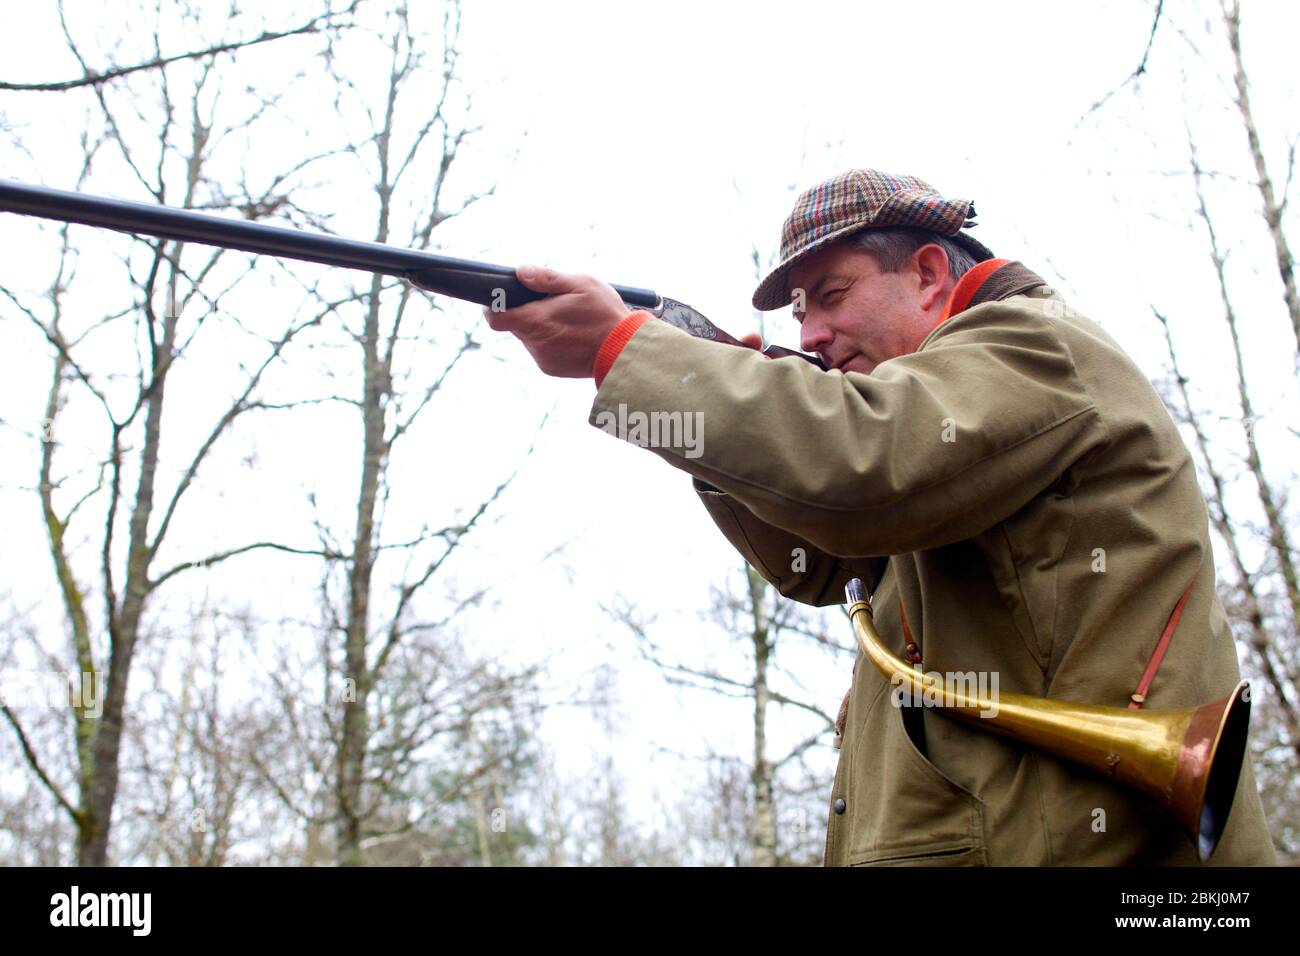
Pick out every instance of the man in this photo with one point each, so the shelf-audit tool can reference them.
(997, 470)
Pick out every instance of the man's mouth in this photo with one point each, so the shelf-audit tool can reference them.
(839, 366)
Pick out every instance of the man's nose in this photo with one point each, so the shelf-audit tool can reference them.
(813, 333)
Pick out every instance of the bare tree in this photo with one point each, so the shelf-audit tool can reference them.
(393, 697)
(1246, 483)
(1248, 600)
(171, 165)
(1273, 650)
(330, 20)
(1279, 535)
(1273, 204)
(760, 620)
(191, 794)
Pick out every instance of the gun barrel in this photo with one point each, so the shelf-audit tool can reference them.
(463, 278)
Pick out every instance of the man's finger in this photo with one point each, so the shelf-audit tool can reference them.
(752, 339)
(545, 279)
(497, 321)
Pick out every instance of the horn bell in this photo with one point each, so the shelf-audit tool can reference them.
(1187, 760)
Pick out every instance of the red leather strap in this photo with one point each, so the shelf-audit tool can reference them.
(1144, 685)
(913, 651)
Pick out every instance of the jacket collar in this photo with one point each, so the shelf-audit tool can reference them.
(989, 281)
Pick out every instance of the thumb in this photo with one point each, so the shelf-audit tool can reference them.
(544, 279)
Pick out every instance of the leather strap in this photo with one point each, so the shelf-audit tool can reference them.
(913, 651)
(1139, 696)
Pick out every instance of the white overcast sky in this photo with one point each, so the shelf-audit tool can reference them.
(662, 142)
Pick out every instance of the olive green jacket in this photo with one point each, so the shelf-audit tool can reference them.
(1041, 518)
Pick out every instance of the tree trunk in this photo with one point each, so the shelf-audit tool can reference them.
(1272, 210)
(1260, 641)
(764, 835)
(124, 626)
(1279, 537)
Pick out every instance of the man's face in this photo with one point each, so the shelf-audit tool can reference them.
(857, 316)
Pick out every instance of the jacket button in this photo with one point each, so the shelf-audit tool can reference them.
(840, 805)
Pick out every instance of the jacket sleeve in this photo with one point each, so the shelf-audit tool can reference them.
(793, 566)
(931, 448)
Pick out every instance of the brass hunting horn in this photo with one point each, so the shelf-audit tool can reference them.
(1187, 760)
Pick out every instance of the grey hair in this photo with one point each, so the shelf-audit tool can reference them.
(892, 245)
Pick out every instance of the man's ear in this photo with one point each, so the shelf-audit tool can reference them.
(931, 264)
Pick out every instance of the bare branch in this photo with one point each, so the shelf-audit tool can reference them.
(232, 552)
(55, 339)
(801, 705)
(91, 78)
(454, 538)
(237, 407)
(1135, 75)
(35, 764)
(401, 427)
(800, 749)
(283, 794)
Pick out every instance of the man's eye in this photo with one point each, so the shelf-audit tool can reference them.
(827, 296)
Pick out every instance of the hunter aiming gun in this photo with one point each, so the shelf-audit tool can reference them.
(1187, 759)
(489, 285)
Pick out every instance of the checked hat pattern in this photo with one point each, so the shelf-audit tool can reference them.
(862, 199)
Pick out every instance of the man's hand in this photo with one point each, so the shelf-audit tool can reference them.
(564, 331)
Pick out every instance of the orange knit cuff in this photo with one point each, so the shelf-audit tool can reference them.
(613, 345)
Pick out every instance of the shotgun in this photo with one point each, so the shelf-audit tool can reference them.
(490, 285)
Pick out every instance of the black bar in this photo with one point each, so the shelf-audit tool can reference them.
(479, 282)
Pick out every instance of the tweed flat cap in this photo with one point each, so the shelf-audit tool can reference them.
(863, 199)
